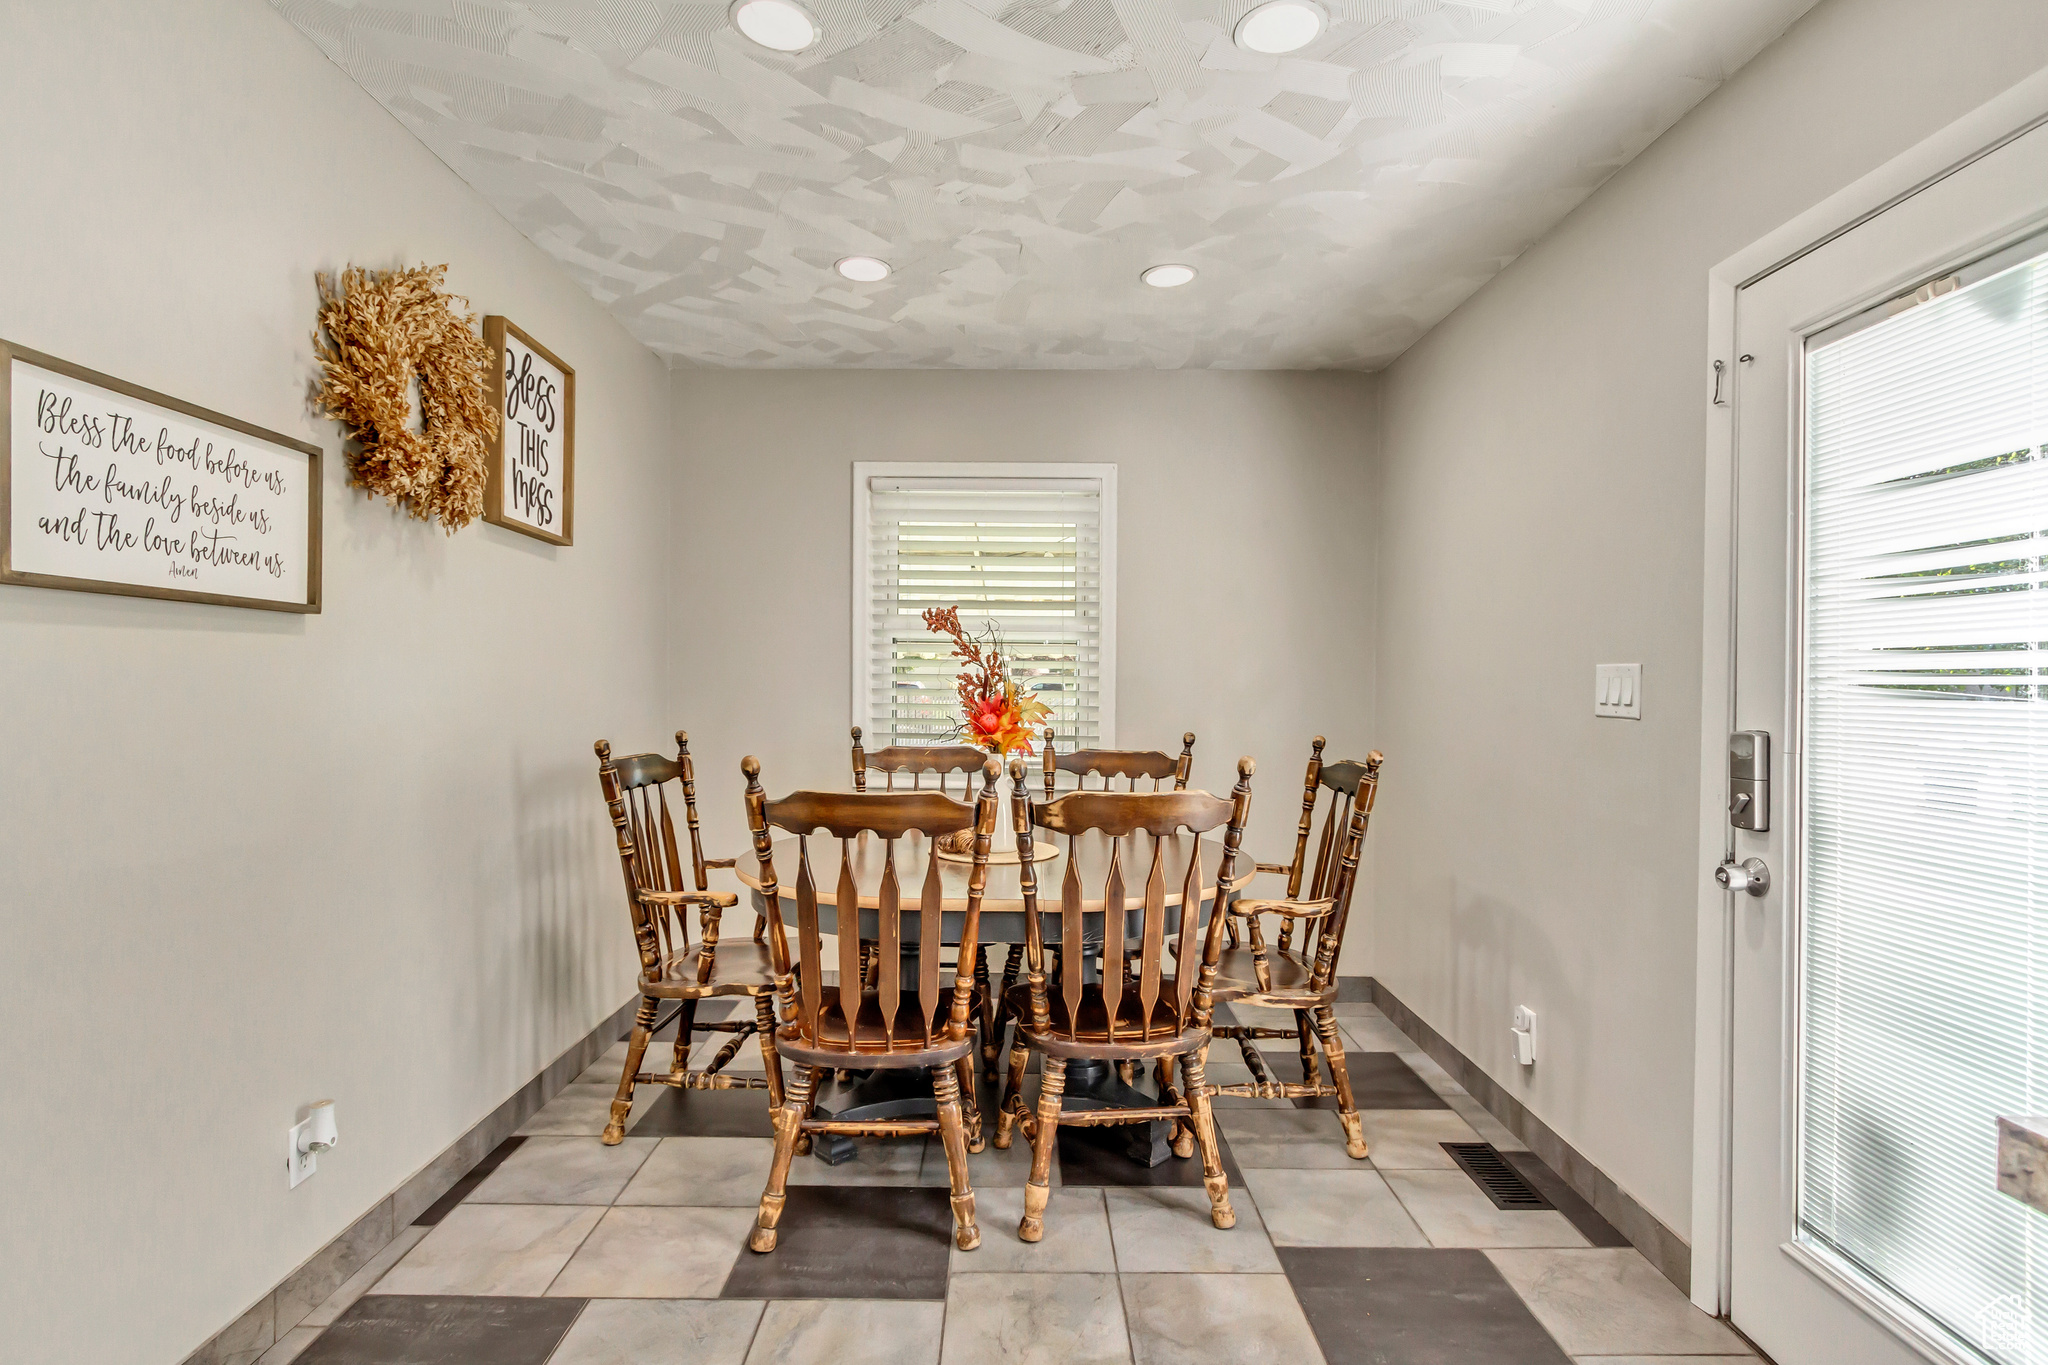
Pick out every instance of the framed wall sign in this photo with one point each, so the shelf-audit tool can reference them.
(110, 487)
(531, 486)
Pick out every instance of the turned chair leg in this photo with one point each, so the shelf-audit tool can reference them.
(636, 1053)
(952, 1133)
(1010, 1099)
(992, 1045)
(788, 1124)
(1213, 1179)
(1305, 1034)
(771, 1060)
(970, 1097)
(1340, 1076)
(1183, 1140)
(686, 1020)
(1038, 1189)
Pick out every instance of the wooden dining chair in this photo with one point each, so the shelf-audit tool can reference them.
(1298, 971)
(942, 760)
(1129, 764)
(849, 1024)
(1133, 1013)
(636, 790)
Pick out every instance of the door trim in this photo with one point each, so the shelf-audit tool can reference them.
(2012, 114)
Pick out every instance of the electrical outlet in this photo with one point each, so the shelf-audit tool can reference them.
(299, 1163)
(1524, 1034)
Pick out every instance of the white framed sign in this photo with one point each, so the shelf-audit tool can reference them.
(531, 484)
(110, 487)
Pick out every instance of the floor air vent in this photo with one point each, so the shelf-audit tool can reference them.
(1502, 1183)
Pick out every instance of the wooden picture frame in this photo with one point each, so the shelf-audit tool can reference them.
(504, 481)
(177, 543)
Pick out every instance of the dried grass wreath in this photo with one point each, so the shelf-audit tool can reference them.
(380, 332)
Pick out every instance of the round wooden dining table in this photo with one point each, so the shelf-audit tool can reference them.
(893, 1093)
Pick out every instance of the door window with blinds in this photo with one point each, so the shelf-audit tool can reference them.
(1029, 548)
(1924, 833)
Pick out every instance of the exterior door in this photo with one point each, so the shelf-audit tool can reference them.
(1890, 984)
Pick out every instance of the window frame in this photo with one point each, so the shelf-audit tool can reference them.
(860, 658)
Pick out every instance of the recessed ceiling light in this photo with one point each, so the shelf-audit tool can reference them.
(1279, 26)
(782, 25)
(1167, 276)
(865, 269)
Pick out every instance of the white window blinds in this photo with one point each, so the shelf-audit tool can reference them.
(1031, 554)
(1924, 922)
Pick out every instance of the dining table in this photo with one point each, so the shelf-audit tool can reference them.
(906, 1092)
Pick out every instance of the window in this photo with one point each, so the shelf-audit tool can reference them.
(1030, 547)
(1925, 924)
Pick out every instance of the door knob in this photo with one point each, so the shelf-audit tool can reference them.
(1748, 875)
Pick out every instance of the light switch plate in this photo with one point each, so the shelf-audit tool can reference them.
(1618, 691)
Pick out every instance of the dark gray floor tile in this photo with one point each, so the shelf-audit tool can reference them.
(706, 1113)
(1414, 1306)
(1097, 1156)
(459, 1191)
(1566, 1200)
(1380, 1080)
(853, 1242)
(420, 1329)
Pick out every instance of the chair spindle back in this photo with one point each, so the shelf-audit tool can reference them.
(1164, 1006)
(941, 760)
(1353, 787)
(856, 819)
(1128, 764)
(636, 792)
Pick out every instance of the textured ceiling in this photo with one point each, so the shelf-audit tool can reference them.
(1020, 161)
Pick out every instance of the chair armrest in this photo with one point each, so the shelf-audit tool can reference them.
(710, 863)
(721, 899)
(1286, 909)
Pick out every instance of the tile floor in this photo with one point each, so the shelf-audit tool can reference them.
(560, 1250)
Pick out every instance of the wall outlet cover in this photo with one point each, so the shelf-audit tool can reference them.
(298, 1164)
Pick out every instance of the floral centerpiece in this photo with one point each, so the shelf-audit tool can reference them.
(995, 715)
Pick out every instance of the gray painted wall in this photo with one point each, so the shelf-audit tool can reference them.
(1245, 593)
(1540, 512)
(253, 860)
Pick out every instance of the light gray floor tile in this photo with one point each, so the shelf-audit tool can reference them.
(1288, 1137)
(585, 1109)
(709, 1172)
(848, 1332)
(1052, 1319)
(876, 1161)
(1166, 1228)
(1219, 1319)
(1489, 1128)
(563, 1170)
(1412, 1139)
(1357, 1009)
(656, 1253)
(493, 1249)
(1375, 1033)
(288, 1346)
(359, 1283)
(1076, 1233)
(1351, 1208)
(647, 1331)
(1454, 1212)
(987, 1167)
(1222, 1102)
(1609, 1300)
(1433, 1076)
(1664, 1360)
